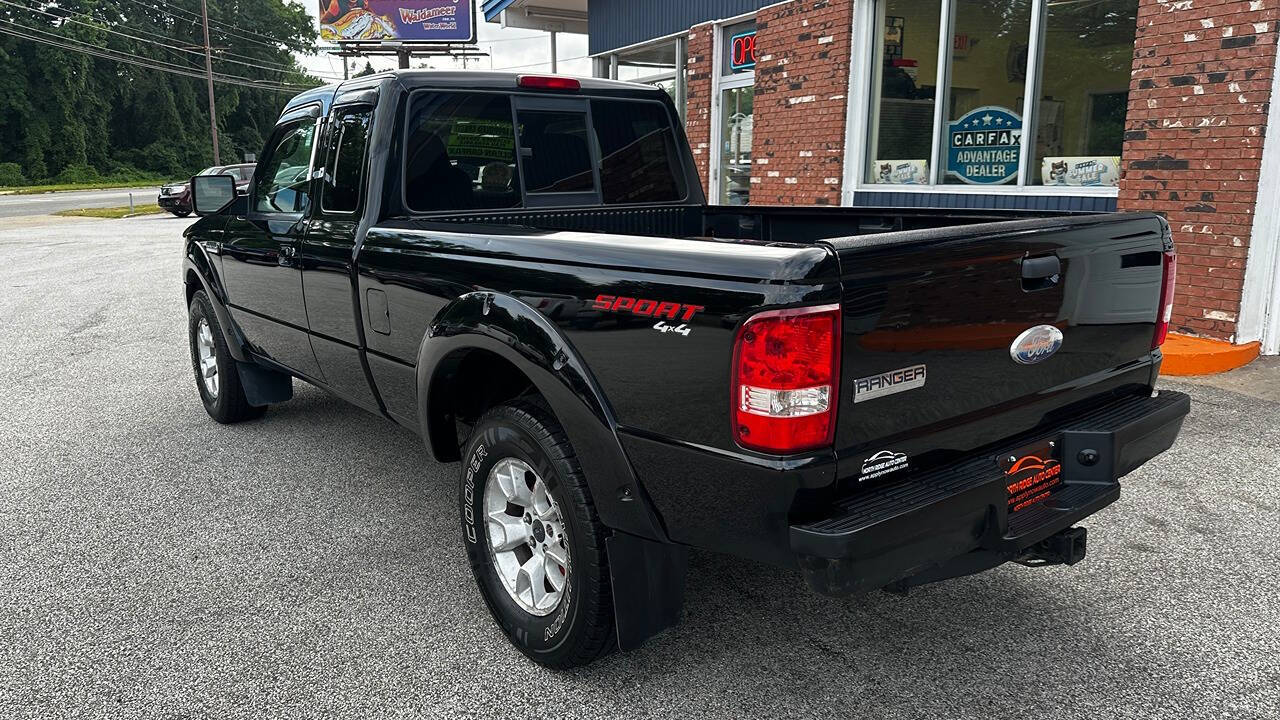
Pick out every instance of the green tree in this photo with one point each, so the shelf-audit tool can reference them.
(62, 110)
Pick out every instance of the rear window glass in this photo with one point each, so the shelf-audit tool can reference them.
(460, 153)
(638, 159)
(557, 153)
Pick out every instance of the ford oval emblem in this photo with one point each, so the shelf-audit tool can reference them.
(1036, 344)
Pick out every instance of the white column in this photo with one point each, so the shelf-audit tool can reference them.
(1260, 301)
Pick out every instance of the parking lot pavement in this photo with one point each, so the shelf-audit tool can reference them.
(157, 564)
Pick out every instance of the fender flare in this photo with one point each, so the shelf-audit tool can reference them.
(505, 326)
(196, 262)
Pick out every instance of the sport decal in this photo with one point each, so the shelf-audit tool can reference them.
(661, 310)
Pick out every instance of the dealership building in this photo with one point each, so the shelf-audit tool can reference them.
(1084, 105)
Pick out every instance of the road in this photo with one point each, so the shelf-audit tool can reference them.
(159, 565)
(45, 203)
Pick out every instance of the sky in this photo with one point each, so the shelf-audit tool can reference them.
(508, 48)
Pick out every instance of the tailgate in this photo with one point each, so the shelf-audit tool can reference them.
(932, 318)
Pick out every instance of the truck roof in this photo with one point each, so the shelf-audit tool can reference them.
(461, 79)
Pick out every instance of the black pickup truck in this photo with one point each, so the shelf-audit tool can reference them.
(524, 271)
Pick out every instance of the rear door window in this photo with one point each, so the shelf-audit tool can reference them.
(638, 158)
(344, 175)
(460, 153)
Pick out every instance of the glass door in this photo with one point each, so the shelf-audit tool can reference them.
(736, 122)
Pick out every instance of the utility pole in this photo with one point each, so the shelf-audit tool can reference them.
(208, 68)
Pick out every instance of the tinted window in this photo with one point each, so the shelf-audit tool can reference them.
(557, 156)
(638, 159)
(460, 153)
(283, 184)
(345, 169)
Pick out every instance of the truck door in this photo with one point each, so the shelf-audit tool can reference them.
(327, 256)
(260, 260)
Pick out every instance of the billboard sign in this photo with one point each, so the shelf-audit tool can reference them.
(431, 21)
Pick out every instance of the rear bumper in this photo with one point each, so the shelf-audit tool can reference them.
(173, 202)
(917, 526)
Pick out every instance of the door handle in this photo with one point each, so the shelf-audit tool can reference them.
(288, 255)
(1040, 273)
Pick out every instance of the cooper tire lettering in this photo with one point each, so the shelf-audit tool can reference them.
(469, 492)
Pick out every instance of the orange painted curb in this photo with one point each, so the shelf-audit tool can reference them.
(1186, 355)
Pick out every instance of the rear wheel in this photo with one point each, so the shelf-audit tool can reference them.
(217, 378)
(533, 538)
(181, 213)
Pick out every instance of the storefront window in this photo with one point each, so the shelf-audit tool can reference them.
(735, 133)
(1081, 77)
(983, 133)
(1080, 121)
(654, 64)
(903, 96)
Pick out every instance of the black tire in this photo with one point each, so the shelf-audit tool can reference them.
(230, 404)
(181, 213)
(580, 629)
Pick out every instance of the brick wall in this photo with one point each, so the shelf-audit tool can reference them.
(802, 78)
(1193, 142)
(697, 124)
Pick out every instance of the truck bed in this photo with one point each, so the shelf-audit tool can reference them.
(725, 222)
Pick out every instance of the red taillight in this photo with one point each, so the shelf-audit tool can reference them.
(786, 364)
(548, 82)
(1166, 298)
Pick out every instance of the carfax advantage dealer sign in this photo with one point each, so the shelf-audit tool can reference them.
(440, 21)
(983, 146)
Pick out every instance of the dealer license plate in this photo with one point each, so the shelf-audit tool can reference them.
(1033, 473)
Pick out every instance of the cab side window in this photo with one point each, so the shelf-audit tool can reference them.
(639, 161)
(344, 176)
(460, 153)
(283, 182)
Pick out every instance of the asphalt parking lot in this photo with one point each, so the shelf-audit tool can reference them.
(156, 564)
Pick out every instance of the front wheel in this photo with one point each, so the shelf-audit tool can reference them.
(217, 377)
(533, 538)
(181, 213)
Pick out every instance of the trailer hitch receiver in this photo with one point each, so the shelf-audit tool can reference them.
(1066, 547)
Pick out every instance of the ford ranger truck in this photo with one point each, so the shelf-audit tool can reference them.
(524, 271)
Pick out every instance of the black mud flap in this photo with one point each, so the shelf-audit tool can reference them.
(648, 586)
(263, 386)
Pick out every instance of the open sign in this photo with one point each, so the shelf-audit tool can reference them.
(742, 51)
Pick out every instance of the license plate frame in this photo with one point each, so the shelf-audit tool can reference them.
(1032, 473)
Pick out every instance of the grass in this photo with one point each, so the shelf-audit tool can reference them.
(104, 185)
(113, 212)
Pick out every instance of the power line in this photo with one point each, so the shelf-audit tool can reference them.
(68, 18)
(544, 62)
(274, 44)
(192, 17)
(257, 64)
(151, 63)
